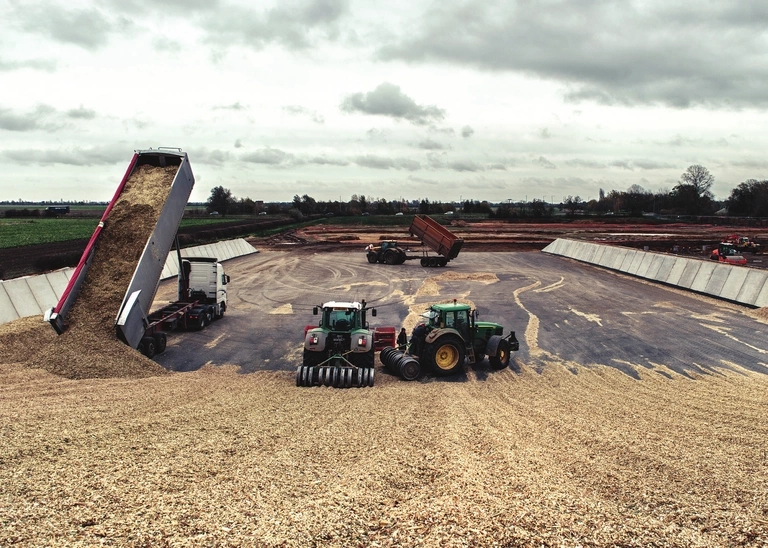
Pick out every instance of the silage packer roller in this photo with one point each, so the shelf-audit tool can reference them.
(339, 352)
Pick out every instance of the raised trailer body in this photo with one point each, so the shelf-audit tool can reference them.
(433, 236)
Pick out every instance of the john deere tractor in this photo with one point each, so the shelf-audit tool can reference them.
(340, 351)
(450, 335)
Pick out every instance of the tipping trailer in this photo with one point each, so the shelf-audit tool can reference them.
(433, 236)
(133, 325)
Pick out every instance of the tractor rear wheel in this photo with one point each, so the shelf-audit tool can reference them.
(390, 256)
(446, 355)
(501, 359)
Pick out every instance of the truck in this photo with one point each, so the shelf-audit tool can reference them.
(448, 337)
(433, 236)
(726, 253)
(199, 299)
(339, 351)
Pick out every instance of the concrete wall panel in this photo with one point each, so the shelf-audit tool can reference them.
(621, 254)
(642, 270)
(42, 291)
(22, 297)
(7, 310)
(734, 283)
(717, 279)
(689, 274)
(752, 288)
(636, 261)
(676, 272)
(653, 268)
(701, 280)
(628, 259)
(667, 263)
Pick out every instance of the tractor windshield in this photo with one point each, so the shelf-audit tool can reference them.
(341, 319)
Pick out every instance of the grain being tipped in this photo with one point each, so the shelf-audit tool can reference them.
(89, 347)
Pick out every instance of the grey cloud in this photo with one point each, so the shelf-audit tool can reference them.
(429, 144)
(652, 164)
(39, 118)
(388, 100)
(206, 156)
(467, 132)
(295, 25)
(614, 52)
(579, 162)
(87, 28)
(496, 167)
(76, 156)
(302, 111)
(47, 65)
(83, 113)
(751, 164)
(543, 162)
(378, 134)
(161, 43)
(383, 162)
(323, 161)
(234, 106)
(464, 165)
(268, 156)
(238, 143)
(545, 134)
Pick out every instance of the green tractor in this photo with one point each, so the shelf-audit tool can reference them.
(339, 352)
(450, 335)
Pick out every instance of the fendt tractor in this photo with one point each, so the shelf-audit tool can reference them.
(433, 236)
(450, 335)
(339, 352)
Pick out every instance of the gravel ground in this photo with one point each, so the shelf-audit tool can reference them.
(573, 456)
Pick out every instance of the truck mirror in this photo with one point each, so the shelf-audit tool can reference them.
(373, 312)
(314, 311)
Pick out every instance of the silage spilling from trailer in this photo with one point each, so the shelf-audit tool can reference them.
(89, 347)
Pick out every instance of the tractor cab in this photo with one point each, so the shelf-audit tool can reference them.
(343, 316)
(388, 244)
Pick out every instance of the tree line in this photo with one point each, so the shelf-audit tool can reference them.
(692, 195)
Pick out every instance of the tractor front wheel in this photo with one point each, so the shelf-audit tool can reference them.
(372, 257)
(501, 359)
(446, 355)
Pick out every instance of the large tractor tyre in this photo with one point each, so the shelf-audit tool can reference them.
(372, 258)
(501, 359)
(161, 341)
(147, 347)
(446, 355)
(390, 256)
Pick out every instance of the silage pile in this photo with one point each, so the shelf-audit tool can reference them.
(89, 347)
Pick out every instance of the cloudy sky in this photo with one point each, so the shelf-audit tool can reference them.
(479, 99)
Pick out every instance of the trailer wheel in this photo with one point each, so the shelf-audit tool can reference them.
(147, 347)
(161, 341)
(446, 355)
(424, 261)
(501, 359)
(433, 261)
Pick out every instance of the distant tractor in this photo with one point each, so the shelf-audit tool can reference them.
(339, 352)
(726, 253)
(433, 236)
(742, 243)
(450, 336)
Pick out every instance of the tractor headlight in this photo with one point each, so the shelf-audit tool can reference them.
(362, 341)
(313, 339)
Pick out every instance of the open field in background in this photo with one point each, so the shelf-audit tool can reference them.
(34, 231)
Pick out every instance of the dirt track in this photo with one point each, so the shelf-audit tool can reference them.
(632, 416)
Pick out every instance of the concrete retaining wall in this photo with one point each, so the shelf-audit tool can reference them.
(33, 295)
(739, 284)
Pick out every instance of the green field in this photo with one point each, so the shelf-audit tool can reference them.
(30, 231)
